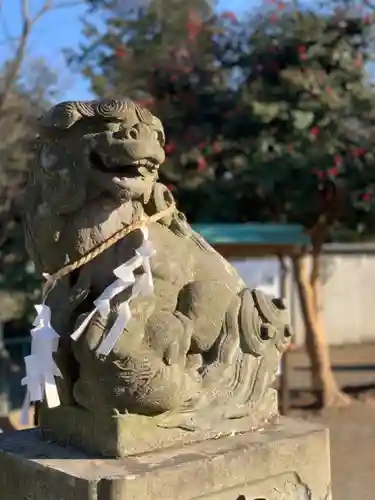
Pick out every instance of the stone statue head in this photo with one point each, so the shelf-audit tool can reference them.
(92, 157)
(110, 145)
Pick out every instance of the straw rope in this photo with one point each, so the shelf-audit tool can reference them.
(52, 279)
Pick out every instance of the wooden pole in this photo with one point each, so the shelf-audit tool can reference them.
(284, 389)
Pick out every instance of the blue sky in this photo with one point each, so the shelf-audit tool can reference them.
(61, 29)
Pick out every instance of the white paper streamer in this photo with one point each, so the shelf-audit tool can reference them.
(41, 368)
(118, 327)
(142, 285)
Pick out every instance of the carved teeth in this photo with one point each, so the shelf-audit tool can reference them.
(120, 179)
(144, 163)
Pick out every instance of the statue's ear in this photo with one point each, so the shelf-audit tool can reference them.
(62, 176)
(64, 115)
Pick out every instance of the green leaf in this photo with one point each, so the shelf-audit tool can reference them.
(302, 119)
(266, 111)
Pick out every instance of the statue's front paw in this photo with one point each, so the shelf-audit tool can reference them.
(176, 351)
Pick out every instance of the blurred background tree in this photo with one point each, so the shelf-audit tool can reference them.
(19, 285)
(27, 88)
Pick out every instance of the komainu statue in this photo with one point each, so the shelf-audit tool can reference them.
(151, 319)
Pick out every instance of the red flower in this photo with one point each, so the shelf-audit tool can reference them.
(338, 160)
(201, 164)
(281, 5)
(301, 49)
(359, 152)
(171, 187)
(273, 19)
(319, 173)
(194, 25)
(170, 148)
(367, 19)
(202, 145)
(333, 171)
(231, 16)
(314, 131)
(146, 102)
(120, 52)
(216, 147)
(366, 196)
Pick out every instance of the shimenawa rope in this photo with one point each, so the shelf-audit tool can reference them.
(52, 279)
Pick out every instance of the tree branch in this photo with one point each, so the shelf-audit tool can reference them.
(28, 23)
(369, 4)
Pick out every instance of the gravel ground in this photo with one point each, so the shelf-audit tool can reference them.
(352, 434)
(352, 429)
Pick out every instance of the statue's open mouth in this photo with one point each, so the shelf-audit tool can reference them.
(138, 169)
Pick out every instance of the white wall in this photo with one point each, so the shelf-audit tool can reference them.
(348, 300)
(260, 273)
(348, 294)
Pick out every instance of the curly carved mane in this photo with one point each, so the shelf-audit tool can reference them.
(64, 115)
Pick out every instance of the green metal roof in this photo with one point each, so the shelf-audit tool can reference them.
(253, 234)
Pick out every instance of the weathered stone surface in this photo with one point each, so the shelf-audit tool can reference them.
(288, 461)
(287, 486)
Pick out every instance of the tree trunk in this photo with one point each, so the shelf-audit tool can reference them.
(309, 287)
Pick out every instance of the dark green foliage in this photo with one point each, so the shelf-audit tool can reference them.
(19, 285)
(269, 118)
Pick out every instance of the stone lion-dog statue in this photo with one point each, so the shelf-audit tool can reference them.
(199, 345)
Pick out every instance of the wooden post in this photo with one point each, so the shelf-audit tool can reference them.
(284, 391)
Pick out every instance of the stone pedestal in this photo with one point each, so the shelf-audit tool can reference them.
(288, 460)
(124, 435)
